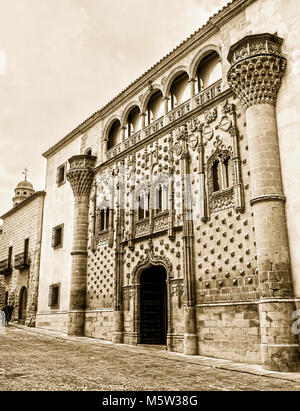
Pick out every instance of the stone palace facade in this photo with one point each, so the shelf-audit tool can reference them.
(171, 214)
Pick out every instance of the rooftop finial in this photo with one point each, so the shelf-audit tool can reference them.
(25, 172)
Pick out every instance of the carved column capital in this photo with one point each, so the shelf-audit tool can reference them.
(257, 69)
(81, 173)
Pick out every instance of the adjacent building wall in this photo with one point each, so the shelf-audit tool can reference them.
(19, 224)
(56, 263)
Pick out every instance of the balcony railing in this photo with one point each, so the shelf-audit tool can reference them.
(161, 221)
(114, 151)
(132, 140)
(154, 127)
(21, 261)
(179, 111)
(197, 101)
(208, 94)
(5, 267)
(142, 227)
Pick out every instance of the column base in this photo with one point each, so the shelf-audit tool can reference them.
(280, 358)
(190, 346)
(117, 336)
(170, 345)
(190, 339)
(76, 321)
(279, 342)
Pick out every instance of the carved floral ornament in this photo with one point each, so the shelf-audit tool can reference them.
(257, 69)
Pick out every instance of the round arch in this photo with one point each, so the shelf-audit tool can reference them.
(171, 77)
(200, 56)
(127, 110)
(149, 93)
(108, 126)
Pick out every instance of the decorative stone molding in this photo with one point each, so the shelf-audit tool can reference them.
(177, 289)
(81, 173)
(210, 115)
(223, 199)
(257, 69)
(102, 237)
(268, 197)
(128, 294)
(161, 221)
(151, 259)
(142, 227)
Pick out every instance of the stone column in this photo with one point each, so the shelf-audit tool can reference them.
(202, 191)
(166, 105)
(80, 176)
(190, 328)
(192, 83)
(119, 260)
(255, 77)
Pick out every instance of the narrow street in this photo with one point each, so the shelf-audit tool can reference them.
(37, 360)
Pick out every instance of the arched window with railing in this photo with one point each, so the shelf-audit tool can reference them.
(220, 180)
(114, 134)
(161, 198)
(208, 72)
(179, 91)
(220, 171)
(155, 107)
(143, 205)
(104, 219)
(133, 123)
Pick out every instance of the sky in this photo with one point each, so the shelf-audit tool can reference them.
(62, 60)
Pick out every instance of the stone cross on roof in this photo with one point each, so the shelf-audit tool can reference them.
(25, 172)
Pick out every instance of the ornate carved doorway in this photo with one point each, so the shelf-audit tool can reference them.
(22, 305)
(153, 306)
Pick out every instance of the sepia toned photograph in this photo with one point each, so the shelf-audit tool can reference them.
(149, 198)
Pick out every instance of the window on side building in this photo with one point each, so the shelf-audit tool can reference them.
(57, 236)
(54, 295)
(61, 174)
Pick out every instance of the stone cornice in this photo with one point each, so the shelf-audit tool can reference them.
(212, 26)
(23, 204)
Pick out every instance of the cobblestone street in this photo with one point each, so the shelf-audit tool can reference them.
(37, 360)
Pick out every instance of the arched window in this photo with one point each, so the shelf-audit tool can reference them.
(154, 107)
(143, 205)
(133, 124)
(179, 92)
(228, 172)
(216, 176)
(159, 199)
(221, 173)
(88, 152)
(104, 219)
(114, 135)
(208, 72)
